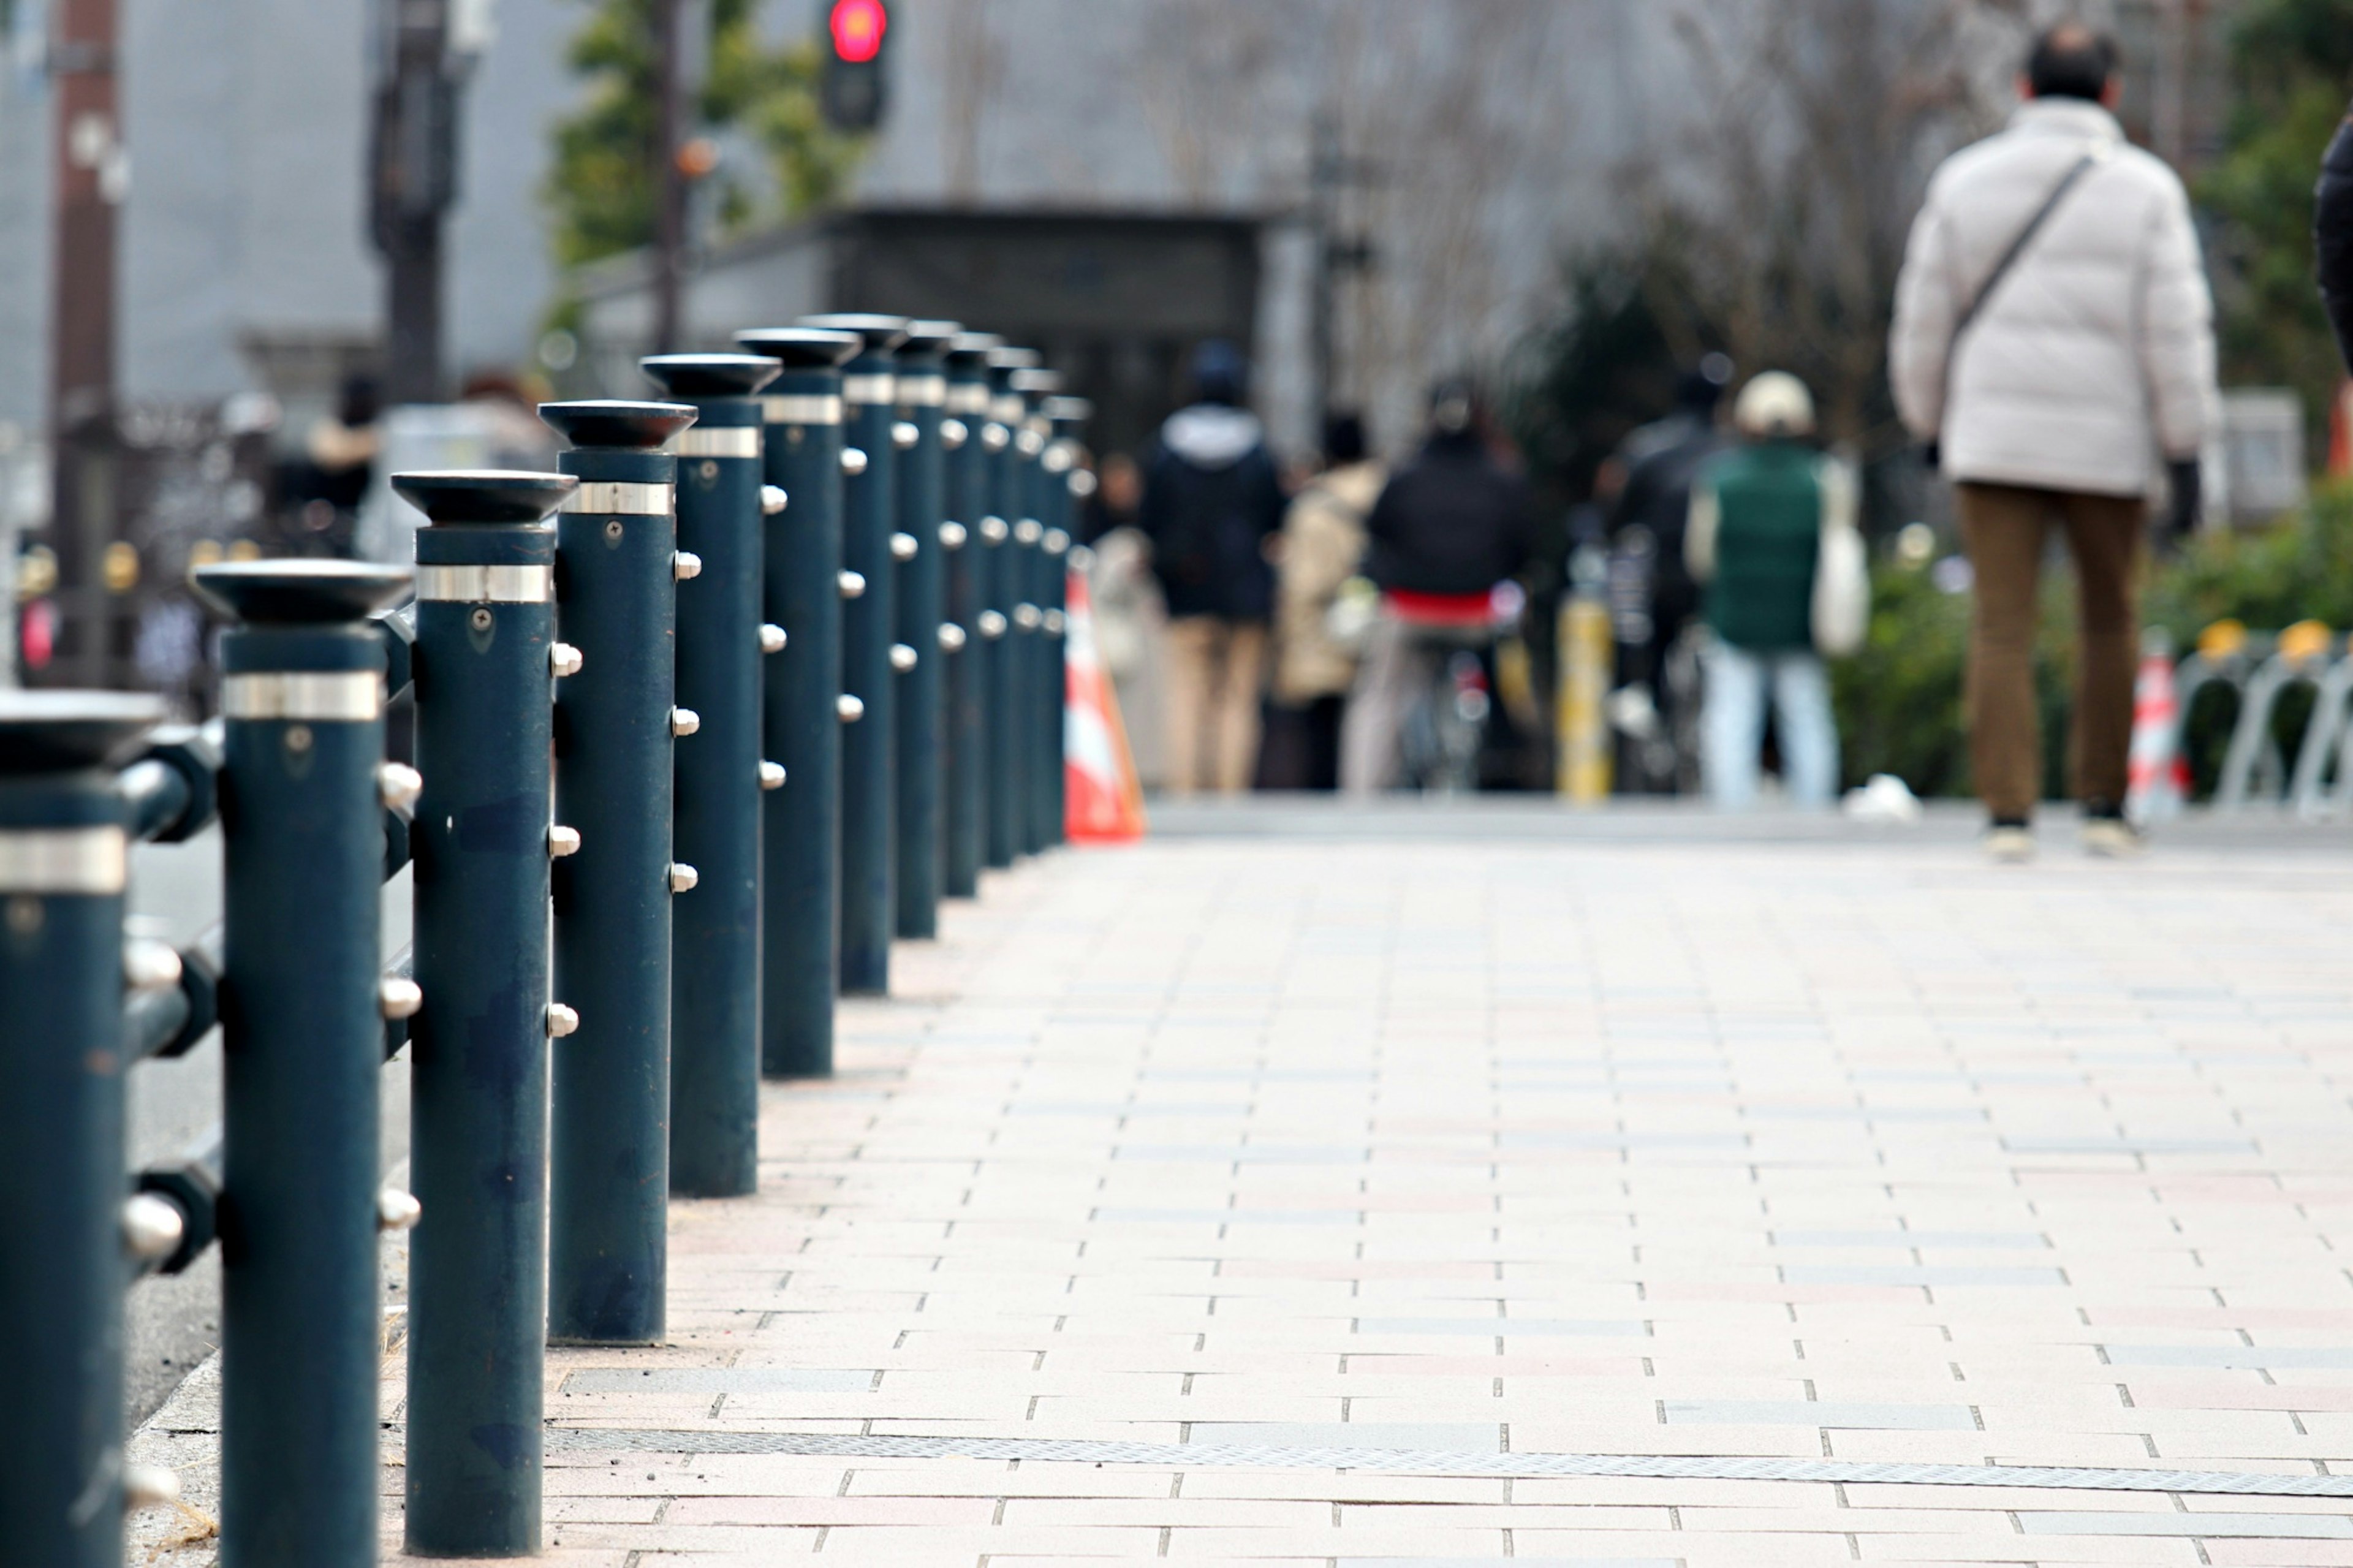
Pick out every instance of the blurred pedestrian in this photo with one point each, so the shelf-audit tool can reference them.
(1758, 516)
(1449, 527)
(1321, 548)
(2053, 330)
(1118, 495)
(2332, 232)
(1211, 499)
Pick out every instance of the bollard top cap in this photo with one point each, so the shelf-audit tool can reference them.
(970, 351)
(711, 376)
(929, 338)
(1070, 411)
(879, 334)
(1012, 359)
(299, 593)
(1037, 383)
(483, 496)
(802, 348)
(612, 422)
(55, 732)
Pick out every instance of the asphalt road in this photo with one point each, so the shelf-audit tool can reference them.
(173, 1324)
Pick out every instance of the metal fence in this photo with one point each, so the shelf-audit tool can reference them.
(646, 863)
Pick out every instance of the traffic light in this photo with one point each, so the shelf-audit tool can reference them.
(856, 32)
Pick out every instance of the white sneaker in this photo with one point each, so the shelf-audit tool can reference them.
(2007, 844)
(2112, 838)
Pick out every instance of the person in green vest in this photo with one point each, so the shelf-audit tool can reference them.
(1758, 514)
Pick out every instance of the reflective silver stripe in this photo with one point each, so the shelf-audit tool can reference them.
(63, 861)
(486, 584)
(1007, 410)
(604, 496)
(338, 695)
(869, 389)
(720, 441)
(922, 392)
(967, 397)
(802, 409)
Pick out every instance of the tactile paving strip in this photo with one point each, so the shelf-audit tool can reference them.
(1402, 1461)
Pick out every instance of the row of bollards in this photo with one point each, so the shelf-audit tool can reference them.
(835, 562)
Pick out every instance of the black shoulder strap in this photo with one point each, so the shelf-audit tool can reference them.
(2083, 167)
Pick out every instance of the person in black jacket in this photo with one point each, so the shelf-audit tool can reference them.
(1450, 525)
(1211, 500)
(2332, 232)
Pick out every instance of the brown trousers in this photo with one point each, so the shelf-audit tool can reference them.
(2004, 528)
(1217, 672)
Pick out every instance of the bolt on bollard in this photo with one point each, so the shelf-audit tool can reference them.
(616, 548)
(714, 1075)
(304, 1003)
(485, 664)
(869, 517)
(1007, 579)
(921, 611)
(64, 861)
(1069, 482)
(800, 832)
(963, 435)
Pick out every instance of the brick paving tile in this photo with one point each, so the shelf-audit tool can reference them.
(1850, 1152)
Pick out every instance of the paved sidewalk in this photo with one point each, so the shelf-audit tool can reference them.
(1583, 1181)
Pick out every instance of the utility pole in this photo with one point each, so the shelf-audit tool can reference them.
(91, 175)
(669, 179)
(1330, 174)
(415, 186)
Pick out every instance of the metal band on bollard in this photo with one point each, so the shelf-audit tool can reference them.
(485, 661)
(969, 491)
(302, 1057)
(868, 767)
(715, 972)
(1007, 584)
(64, 858)
(615, 722)
(801, 827)
(922, 609)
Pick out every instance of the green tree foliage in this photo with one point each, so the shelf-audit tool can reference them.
(2292, 69)
(602, 185)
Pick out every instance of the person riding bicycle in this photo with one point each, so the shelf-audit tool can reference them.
(1449, 527)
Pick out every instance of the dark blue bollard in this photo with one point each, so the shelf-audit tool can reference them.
(965, 769)
(64, 853)
(806, 707)
(714, 1075)
(485, 661)
(1041, 649)
(921, 614)
(869, 634)
(1006, 577)
(616, 570)
(304, 1006)
(1069, 482)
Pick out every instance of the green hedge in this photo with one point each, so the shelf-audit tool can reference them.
(1900, 699)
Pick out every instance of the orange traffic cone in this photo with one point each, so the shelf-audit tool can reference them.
(2158, 777)
(1106, 799)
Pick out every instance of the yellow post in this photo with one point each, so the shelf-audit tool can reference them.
(1586, 658)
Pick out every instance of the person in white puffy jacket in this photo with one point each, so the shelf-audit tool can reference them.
(2053, 342)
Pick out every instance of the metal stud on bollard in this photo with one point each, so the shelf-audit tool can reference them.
(922, 610)
(615, 724)
(964, 434)
(1068, 417)
(302, 694)
(714, 1074)
(1007, 580)
(801, 828)
(64, 855)
(486, 662)
(869, 517)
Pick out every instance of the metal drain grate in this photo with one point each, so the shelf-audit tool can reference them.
(1410, 1462)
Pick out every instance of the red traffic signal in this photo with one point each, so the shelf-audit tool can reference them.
(857, 26)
